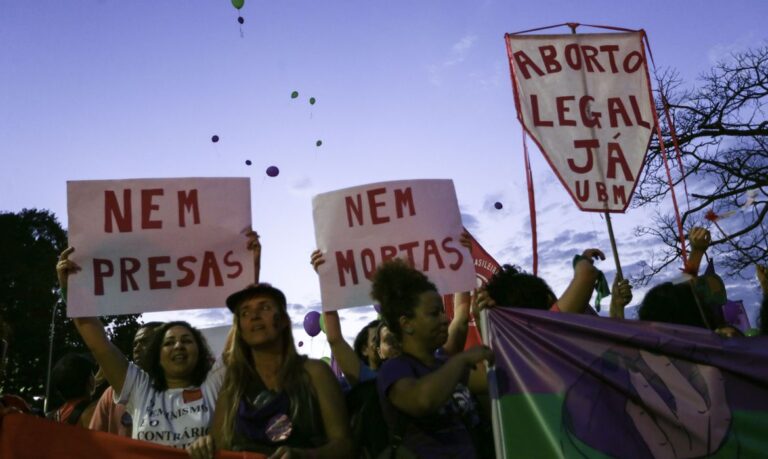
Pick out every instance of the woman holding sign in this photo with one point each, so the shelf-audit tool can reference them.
(172, 402)
(426, 403)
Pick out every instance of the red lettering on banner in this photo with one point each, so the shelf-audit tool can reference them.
(101, 269)
(459, 257)
(404, 198)
(210, 267)
(582, 190)
(147, 206)
(127, 272)
(588, 145)
(616, 156)
(232, 264)
(189, 276)
(562, 110)
(188, 202)
(537, 121)
(602, 194)
(631, 67)
(523, 62)
(636, 111)
(210, 271)
(610, 49)
(155, 273)
(373, 205)
(388, 252)
(590, 59)
(549, 57)
(345, 262)
(112, 209)
(588, 117)
(354, 207)
(431, 250)
(573, 56)
(616, 107)
(369, 262)
(408, 247)
(619, 194)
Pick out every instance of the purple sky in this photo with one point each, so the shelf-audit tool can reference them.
(113, 89)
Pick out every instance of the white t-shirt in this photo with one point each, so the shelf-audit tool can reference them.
(174, 417)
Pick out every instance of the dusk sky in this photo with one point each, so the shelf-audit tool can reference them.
(114, 89)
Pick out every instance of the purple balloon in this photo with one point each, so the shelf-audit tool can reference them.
(377, 307)
(312, 323)
(301, 343)
(248, 162)
(273, 171)
(215, 139)
(498, 205)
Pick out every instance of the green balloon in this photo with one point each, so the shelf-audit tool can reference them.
(238, 3)
(753, 332)
(322, 322)
(294, 94)
(312, 101)
(326, 360)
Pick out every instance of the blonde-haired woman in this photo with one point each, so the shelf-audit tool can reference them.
(275, 401)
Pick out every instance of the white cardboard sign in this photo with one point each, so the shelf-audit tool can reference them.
(585, 99)
(357, 228)
(157, 244)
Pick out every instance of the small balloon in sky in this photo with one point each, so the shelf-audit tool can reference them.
(248, 162)
(301, 343)
(215, 139)
(273, 171)
(498, 205)
(318, 143)
(294, 94)
(240, 20)
(312, 101)
(238, 3)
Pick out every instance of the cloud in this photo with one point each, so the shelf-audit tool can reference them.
(457, 55)
(470, 222)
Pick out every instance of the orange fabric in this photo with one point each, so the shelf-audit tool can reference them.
(24, 436)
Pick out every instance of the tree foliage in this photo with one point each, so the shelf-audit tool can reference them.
(722, 133)
(30, 242)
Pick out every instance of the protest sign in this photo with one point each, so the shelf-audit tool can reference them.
(586, 101)
(358, 228)
(157, 244)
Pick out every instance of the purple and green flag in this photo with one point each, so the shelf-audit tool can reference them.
(568, 385)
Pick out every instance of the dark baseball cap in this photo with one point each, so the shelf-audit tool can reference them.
(263, 288)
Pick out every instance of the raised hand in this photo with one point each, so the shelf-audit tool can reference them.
(65, 267)
(696, 425)
(316, 259)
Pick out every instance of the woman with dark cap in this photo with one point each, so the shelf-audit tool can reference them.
(275, 401)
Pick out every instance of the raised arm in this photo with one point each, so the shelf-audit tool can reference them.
(621, 295)
(579, 291)
(699, 239)
(112, 362)
(254, 245)
(459, 326)
(345, 356)
(425, 395)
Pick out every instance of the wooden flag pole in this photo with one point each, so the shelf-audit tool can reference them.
(608, 223)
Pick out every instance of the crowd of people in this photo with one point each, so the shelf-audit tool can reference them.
(408, 370)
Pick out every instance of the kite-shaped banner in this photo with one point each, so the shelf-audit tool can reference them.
(586, 101)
